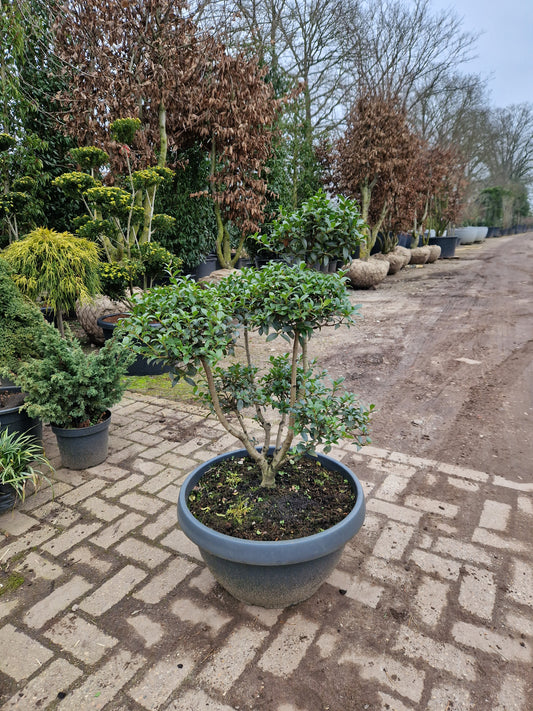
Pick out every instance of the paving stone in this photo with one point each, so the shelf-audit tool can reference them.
(491, 642)
(147, 467)
(515, 485)
(392, 487)
(150, 631)
(401, 678)
(463, 473)
(146, 504)
(87, 556)
(162, 680)
(326, 644)
(123, 453)
(84, 640)
(356, 588)
(42, 690)
(6, 607)
(204, 615)
(179, 542)
(265, 616)
(113, 590)
(521, 587)
(430, 600)
(82, 492)
(25, 656)
(525, 505)
(512, 695)
(170, 493)
(393, 541)
(166, 521)
(141, 552)
(110, 535)
(440, 655)
(463, 484)
(109, 472)
(102, 686)
(169, 475)
(371, 451)
(197, 700)
(389, 702)
(519, 623)
(487, 538)
(56, 602)
(449, 697)
(433, 506)
(160, 585)
(461, 550)
(386, 571)
(478, 592)
(57, 514)
(122, 486)
(495, 515)
(228, 663)
(70, 538)
(397, 513)
(29, 540)
(15, 523)
(101, 509)
(40, 567)
(287, 650)
(45, 494)
(434, 564)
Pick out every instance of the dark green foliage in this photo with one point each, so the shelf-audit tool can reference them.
(198, 327)
(320, 231)
(21, 323)
(193, 236)
(70, 388)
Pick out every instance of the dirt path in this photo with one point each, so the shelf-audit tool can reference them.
(445, 352)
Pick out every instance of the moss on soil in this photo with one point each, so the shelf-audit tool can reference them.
(14, 581)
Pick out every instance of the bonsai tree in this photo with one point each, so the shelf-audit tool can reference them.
(57, 267)
(199, 327)
(70, 388)
(319, 232)
(19, 453)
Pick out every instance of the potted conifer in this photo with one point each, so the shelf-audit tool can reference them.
(243, 508)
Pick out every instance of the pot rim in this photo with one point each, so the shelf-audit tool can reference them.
(82, 431)
(270, 553)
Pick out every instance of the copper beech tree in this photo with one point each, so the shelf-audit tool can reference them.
(373, 159)
(146, 59)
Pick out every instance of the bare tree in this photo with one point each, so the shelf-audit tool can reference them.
(508, 151)
(404, 50)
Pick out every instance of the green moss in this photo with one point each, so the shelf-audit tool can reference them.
(14, 581)
(161, 386)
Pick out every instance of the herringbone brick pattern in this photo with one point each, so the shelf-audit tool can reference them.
(431, 606)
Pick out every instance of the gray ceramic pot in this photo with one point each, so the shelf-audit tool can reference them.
(271, 574)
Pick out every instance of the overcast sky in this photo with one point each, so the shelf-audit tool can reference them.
(505, 49)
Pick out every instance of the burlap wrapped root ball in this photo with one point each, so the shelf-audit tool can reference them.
(419, 255)
(396, 261)
(434, 253)
(404, 252)
(89, 312)
(364, 274)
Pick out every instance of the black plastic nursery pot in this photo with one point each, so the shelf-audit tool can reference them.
(13, 419)
(83, 447)
(446, 244)
(8, 497)
(140, 366)
(272, 574)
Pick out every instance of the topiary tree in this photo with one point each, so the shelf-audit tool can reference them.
(58, 267)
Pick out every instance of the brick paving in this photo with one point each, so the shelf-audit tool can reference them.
(430, 607)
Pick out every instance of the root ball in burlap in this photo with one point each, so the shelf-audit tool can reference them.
(364, 274)
(419, 255)
(396, 261)
(434, 253)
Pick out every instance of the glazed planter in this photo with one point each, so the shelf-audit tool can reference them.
(140, 366)
(271, 574)
(83, 447)
(12, 418)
